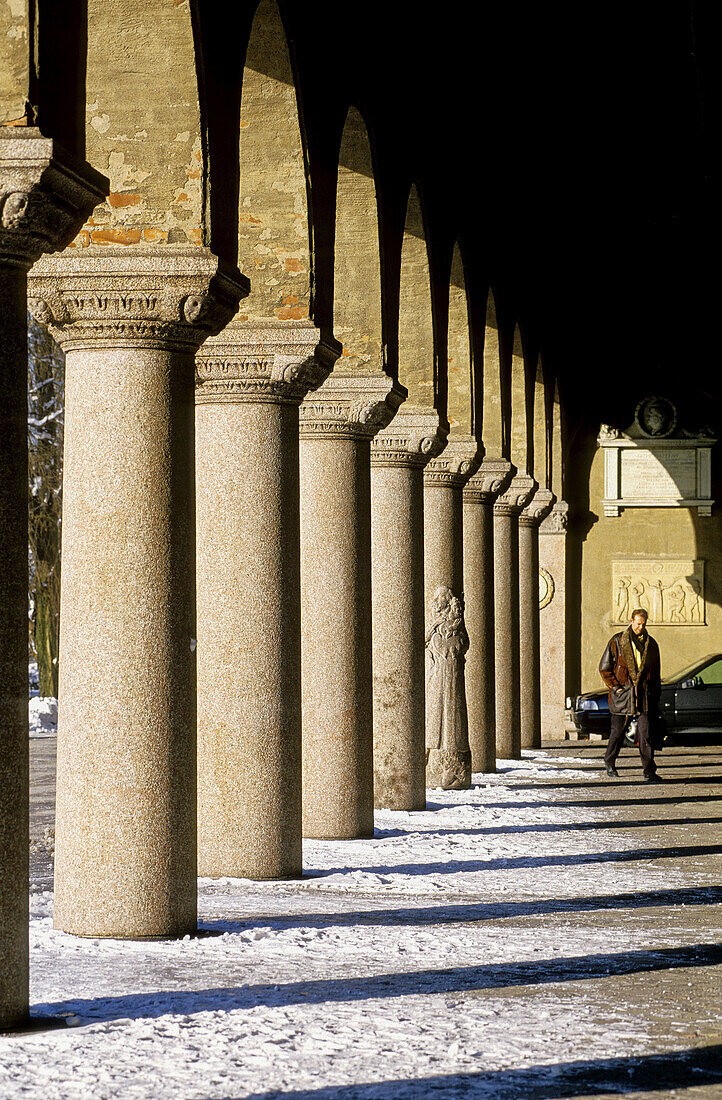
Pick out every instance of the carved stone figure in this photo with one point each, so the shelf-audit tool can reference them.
(448, 757)
(622, 608)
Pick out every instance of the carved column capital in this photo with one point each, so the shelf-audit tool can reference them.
(411, 440)
(491, 479)
(539, 506)
(45, 195)
(275, 362)
(458, 461)
(172, 296)
(518, 493)
(556, 522)
(350, 406)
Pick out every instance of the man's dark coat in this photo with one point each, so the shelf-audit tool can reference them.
(631, 691)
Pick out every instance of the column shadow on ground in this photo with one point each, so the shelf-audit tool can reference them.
(470, 913)
(569, 784)
(550, 827)
(579, 859)
(695, 1066)
(593, 803)
(415, 983)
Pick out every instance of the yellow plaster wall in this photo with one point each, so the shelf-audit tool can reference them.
(14, 62)
(647, 533)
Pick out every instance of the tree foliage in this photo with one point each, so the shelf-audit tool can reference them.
(46, 384)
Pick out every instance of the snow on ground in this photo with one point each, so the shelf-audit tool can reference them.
(501, 932)
(43, 716)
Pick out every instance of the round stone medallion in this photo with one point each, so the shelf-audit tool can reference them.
(546, 587)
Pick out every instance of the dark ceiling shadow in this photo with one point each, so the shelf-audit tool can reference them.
(555, 1081)
(419, 982)
(579, 859)
(469, 913)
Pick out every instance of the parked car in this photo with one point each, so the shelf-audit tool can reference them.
(691, 699)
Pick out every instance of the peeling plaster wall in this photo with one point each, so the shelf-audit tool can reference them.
(14, 62)
(273, 230)
(416, 326)
(144, 124)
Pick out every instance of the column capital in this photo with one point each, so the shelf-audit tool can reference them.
(411, 440)
(458, 461)
(278, 362)
(45, 195)
(519, 492)
(539, 506)
(350, 406)
(556, 521)
(169, 296)
(491, 479)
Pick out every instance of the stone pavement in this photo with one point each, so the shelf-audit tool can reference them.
(625, 1001)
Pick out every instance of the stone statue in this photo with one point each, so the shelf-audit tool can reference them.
(448, 757)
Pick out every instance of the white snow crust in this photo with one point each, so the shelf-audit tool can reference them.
(457, 944)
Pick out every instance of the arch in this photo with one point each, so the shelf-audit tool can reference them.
(458, 351)
(540, 431)
(273, 221)
(416, 321)
(493, 421)
(357, 320)
(521, 437)
(556, 482)
(151, 148)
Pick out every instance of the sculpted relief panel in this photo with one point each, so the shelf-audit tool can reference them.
(671, 591)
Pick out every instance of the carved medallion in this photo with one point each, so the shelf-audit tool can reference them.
(547, 587)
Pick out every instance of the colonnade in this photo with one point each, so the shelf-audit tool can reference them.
(252, 531)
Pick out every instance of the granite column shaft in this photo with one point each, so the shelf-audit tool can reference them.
(529, 646)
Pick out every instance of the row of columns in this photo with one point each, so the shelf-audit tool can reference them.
(230, 518)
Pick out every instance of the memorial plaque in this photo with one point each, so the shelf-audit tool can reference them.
(664, 473)
(671, 591)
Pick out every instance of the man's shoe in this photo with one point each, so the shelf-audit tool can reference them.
(611, 771)
(653, 778)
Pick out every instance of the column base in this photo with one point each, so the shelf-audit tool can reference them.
(449, 770)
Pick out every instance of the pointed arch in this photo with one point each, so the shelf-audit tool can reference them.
(416, 321)
(540, 421)
(273, 217)
(521, 437)
(458, 351)
(357, 319)
(493, 427)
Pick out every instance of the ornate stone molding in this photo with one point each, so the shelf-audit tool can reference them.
(518, 493)
(169, 296)
(539, 506)
(555, 523)
(350, 406)
(411, 440)
(456, 464)
(491, 479)
(45, 195)
(274, 362)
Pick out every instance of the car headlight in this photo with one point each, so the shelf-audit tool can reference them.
(588, 704)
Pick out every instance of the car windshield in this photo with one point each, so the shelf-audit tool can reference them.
(690, 670)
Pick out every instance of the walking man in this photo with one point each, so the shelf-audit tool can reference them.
(630, 669)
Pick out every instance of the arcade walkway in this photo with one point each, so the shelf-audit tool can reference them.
(550, 933)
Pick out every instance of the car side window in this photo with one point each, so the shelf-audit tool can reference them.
(712, 674)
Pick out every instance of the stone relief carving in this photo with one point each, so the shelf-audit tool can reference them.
(456, 463)
(671, 591)
(411, 440)
(557, 521)
(448, 756)
(352, 406)
(547, 588)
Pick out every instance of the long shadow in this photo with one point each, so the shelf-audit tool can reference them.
(554, 827)
(542, 784)
(593, 803)
(452, 867)
(420, 982)
(650, 1073)
(470, 912)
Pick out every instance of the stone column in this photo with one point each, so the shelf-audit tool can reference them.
(130, 323)
(444, 481)
(529, 656)
(507, 509)
(252, 380)
(480, 492)
(338, 422)
(45, 196)
(399, 454)
(552, 620)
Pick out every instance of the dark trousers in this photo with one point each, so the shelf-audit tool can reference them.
(616, 740)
